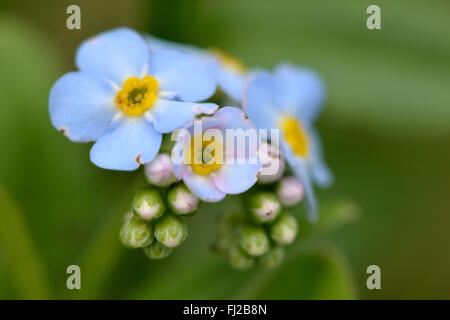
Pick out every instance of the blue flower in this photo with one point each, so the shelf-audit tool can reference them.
(230, 74)
(124, 98)
(228, 168)
(290, 100)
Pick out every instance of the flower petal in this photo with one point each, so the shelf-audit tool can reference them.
(182, 73)
(116, 55)
(126, 145)
(169, 115)
(236, 178)
(81, 106)
(299, 168)
(259, 101)
(321, 173)
(300, 91)
(202, 186)
(232, 83)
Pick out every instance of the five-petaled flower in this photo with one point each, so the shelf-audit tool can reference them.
(218, 168)
(289, 100)
(125, 97)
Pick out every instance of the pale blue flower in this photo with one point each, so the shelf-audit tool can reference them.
(124, 97)
(290, 99)
(235, 174)
(229, 73)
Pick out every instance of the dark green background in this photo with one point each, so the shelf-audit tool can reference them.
(386, 131)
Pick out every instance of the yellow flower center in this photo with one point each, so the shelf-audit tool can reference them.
(295, 135)
(229, 61)
(205, 156)
(137, 95)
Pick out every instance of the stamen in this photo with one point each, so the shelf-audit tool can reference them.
(137, 95)
(207, 158)
(295, 135)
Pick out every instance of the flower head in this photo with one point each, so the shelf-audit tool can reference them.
(290, 100)
(210, 165)
(124, 98)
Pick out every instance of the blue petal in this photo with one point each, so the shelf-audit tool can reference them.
(321, 173)
(156, 44)
(202, 186)
(182, 73)
(170, 115)
(117, 55)
(229, 118)
(236, 178)
(81, 107)
(259, 101)
(232, 83)
(127, 144)
(301, 172)
(299, 91)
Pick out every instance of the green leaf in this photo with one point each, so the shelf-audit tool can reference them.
(22, 261)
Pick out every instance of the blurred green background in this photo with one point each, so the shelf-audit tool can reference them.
(386, 131)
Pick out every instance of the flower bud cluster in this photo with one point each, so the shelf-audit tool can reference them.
(258, 234)
(155, 222)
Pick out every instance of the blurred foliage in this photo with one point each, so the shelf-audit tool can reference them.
(386, 131)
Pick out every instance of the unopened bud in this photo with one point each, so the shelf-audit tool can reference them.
(284, 230)
(273, 258)
(148, 204)
(181, 200)
(136, 233)
(157, 251)
(159, 172)
(170, 230)
(290, 191)
(239, 259)
(272, 163)
(264, 207)
(253, 240)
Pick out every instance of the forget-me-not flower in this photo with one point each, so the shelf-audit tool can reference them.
(290, 100)
(124, 97)
(223, 167)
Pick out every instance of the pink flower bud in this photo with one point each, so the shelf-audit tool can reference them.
(159, 172)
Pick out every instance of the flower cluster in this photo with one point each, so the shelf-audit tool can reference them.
(204, 126)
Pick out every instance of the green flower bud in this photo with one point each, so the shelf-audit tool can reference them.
(170, 230)
(159, 171)
(264, 207)
(273, 258)
(157, 251)
(253, 240)
(181, 200)
(284, 230)
(148, 204)
(136, 233)
(239, 259)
